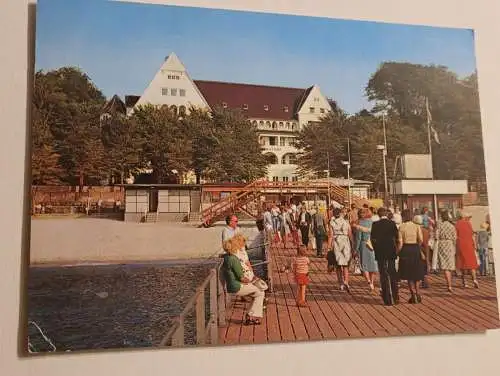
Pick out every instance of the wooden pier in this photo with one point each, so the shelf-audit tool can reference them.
(332, 313)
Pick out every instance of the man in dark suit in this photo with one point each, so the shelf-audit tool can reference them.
(384, 238)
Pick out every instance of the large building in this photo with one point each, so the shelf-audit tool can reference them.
(278, 112)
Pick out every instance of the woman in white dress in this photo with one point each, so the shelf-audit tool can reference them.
(341, 243)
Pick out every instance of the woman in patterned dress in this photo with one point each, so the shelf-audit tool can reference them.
(446, 237)
(341, 242)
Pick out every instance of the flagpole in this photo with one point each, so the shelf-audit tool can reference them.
(434, 196)
(429, 132)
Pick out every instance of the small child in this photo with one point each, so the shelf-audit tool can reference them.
(300, 268)
(482, 248)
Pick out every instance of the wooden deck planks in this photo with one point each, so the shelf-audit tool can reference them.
(332, 313)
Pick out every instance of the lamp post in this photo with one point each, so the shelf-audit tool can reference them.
(384, 154)
(328, 177)
(348, 165)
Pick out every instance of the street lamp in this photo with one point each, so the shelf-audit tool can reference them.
(348, 165)
(384, 154)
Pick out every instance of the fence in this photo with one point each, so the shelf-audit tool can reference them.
(206, 330)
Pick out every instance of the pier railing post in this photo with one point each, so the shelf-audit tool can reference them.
(200, 317)
(214, 332)
(221, 300)
(178, 337)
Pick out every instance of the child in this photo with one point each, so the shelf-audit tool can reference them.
(300, 268)
(482, 248)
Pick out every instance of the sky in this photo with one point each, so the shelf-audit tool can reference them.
(122, 45)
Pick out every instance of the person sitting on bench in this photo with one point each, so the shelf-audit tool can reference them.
(237, 283)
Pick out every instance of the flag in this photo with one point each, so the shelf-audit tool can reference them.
(429, 120)
(435, 135)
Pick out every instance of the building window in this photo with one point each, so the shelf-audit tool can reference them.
(294, 126)
(182, 92)
(276, 178)
(173, 92)
(272, 141)
(266, 107)
(316, 99)
(295, 178)
(285, 108)
(311, 110)
(274, 125)
(261, 123)
(282, 141)
(268, 123)
(292, 159)
(285, 178)
(173, 77)
(287, 125)
(254, 123)
(164, 91)
(245, 106)
(281, 125)
(322, 110)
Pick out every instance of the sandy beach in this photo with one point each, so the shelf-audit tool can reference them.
(89, 240)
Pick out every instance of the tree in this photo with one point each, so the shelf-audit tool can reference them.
(227, 148)
(324, 143)
(403, 88)
(164, 142)
(122, 146)
(66, 108)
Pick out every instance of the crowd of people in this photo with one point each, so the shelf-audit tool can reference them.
(390, 244)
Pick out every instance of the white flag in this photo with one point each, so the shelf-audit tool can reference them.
(435, 134)
(429, 120)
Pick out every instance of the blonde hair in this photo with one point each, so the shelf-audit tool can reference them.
(235, 244)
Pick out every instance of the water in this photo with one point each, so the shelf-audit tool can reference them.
(111, 306)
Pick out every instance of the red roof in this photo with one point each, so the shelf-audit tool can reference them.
(253, 99)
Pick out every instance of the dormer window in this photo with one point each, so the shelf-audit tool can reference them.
(224, 105)
(285, 108)
(266, 107)
(311, 110)
(245, 106)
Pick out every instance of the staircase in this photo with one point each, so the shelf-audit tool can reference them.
(341, 195)
(238, 200)
(232, 203)
(151, 217)
(194, 217)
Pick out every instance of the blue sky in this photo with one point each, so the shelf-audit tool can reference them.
(122, 45)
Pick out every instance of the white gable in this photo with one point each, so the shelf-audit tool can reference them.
(314, 106)
(172, 86)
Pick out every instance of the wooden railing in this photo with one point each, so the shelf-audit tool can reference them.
(206, 331)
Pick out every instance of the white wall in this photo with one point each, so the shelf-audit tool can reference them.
(162, 84)
(317, 100)
(438, 187)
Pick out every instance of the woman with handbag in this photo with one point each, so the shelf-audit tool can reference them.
(410, 258)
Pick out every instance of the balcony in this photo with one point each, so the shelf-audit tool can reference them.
(279, 149)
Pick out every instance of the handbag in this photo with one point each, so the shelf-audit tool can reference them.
(260, 284)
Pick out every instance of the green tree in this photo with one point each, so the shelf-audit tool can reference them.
(403, 88)
(165, 145)
(122, 146)
(324, 143)
(66, 107)
(227, 146)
